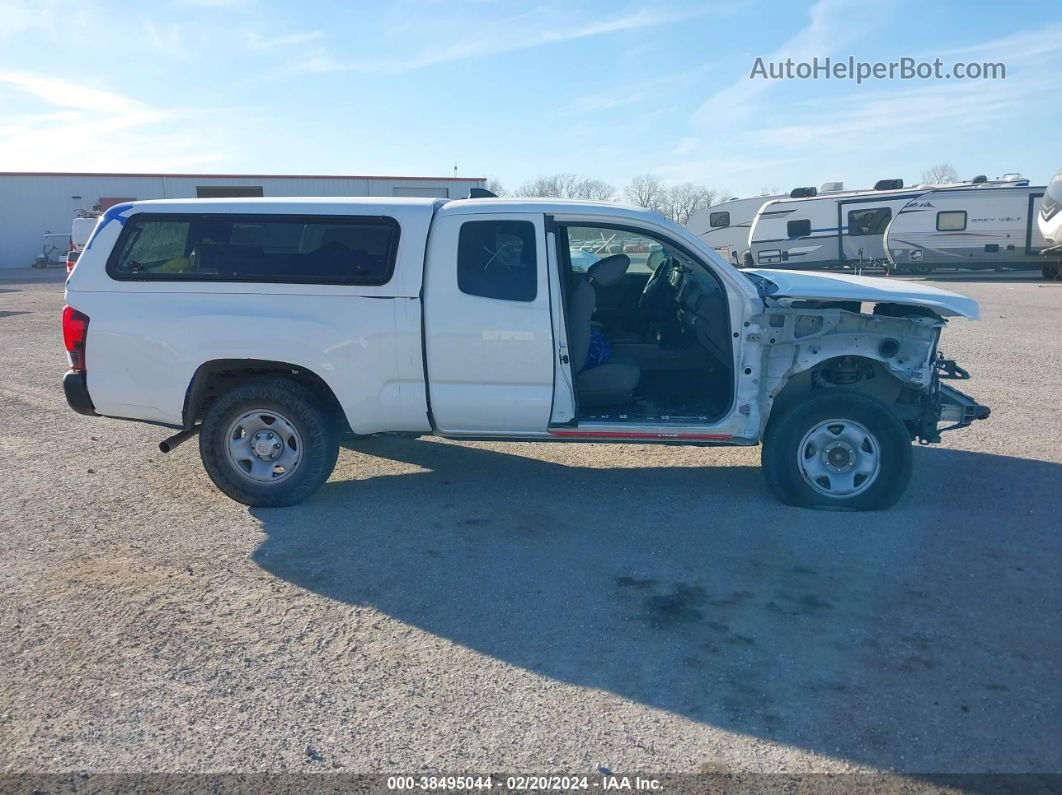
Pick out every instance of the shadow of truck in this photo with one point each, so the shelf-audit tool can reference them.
(920, 638)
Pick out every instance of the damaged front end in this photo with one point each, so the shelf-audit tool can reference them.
(948, 405)
(889, 354)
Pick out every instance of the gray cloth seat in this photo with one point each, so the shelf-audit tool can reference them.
(608, 384)
(613, 382)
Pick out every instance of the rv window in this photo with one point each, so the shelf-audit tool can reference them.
(719, 219)
(798, 228)
(951, 221)
(497, 259)
(868, 222)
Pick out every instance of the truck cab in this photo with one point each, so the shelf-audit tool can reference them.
(272, 326)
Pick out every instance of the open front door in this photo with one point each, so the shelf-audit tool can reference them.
(563, 383)
(489, 339)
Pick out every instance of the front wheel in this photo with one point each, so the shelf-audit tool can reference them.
(268, 442)
(839, 449)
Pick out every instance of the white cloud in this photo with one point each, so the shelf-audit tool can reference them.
(214, 3)
(649, 91)
(52, 16)
(767, 130)
(534, 28)
(901, 118)
(834, 25)
(259, 43)
(80, 128)
(1023, 47)
(63, 93)
(168, 39)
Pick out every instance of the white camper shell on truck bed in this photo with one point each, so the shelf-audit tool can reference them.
(271, 326)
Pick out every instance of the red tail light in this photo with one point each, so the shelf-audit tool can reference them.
(71, 260)
(75, 335)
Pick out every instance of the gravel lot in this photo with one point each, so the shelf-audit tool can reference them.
(530, 607)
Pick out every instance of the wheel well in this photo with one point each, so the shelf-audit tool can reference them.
(214, 377)
(851, 372)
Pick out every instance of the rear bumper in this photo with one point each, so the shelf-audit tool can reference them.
(77, 396)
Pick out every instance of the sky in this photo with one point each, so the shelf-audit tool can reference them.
(516, 90)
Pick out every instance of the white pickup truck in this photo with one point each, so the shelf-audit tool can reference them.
(273, 326)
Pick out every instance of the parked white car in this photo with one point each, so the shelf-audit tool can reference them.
(272, 326)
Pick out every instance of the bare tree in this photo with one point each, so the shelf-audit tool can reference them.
(546, 187)
(646, 190)
(940, 174)
(495, 186)
(541, 186)
(683, 200)
(566, 186)
(595, 189)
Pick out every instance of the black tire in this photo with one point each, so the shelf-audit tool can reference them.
(1052, 272)
(305, 412)
(786, 432)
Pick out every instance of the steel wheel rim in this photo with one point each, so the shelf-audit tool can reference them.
(839, 458)
(263, 446)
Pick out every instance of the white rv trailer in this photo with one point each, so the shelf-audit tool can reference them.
(725, 226)
(1049, 222)
(830, 231)
(977, 226)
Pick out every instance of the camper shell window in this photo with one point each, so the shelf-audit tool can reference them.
(868, 222)
(292, 249)
(719, 219)
(800, 228)
(951, 220)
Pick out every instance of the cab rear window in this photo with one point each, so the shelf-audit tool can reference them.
(256, 248)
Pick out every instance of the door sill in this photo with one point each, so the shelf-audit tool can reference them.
(644, 432)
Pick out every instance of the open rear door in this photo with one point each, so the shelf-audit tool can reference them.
(489, 338)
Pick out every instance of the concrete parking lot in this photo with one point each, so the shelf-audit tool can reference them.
(455, 607)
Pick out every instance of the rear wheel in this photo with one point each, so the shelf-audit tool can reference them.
(268, 442)
(1052, 272)
(839, 449)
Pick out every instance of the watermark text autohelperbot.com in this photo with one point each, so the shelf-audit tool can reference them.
(849, 68)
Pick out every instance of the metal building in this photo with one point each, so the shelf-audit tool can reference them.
(33, 205)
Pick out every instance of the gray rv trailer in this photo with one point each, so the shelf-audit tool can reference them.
(1050, 224)
(829, 231)
(977, 227)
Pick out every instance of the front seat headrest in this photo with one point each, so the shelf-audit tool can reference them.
(609, 270)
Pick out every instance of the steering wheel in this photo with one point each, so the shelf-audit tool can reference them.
(655, 285)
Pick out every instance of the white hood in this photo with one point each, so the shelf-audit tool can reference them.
(827, 286)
